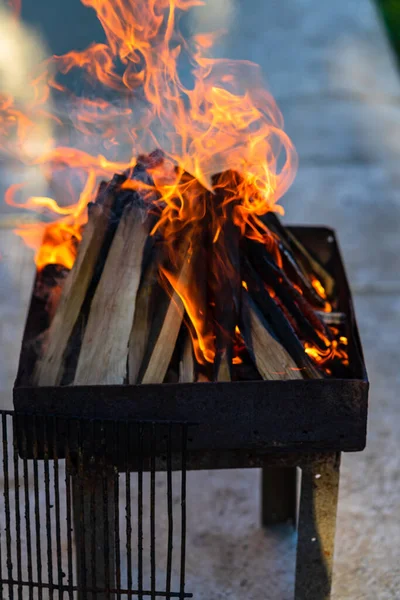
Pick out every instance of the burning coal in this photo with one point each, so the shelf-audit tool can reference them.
(183, 269)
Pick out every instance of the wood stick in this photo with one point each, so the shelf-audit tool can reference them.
(224, 268)
(143, 319)
(311, 264)
(305, 320)
(293, 269)
(49, 369)
(186, 365)
(225, 367)
(279, 324)
(164, 346)
(104, 352)
(306, 261)
(271, 358)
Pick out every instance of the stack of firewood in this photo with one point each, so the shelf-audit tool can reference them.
(210, 304)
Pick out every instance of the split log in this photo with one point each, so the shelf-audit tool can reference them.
(271, 358)
(48, 285)
(224, 270)
(306, 322)
(277, 321)
(187, 364)
(143, 319)
(297, 275)
(104, 352)
(167, 317)
(49, 369)
(245, 370)
(163, 347)
(297, 254)
(311, 265)
(225, 367)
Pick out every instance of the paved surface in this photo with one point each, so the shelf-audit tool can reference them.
(329, 66)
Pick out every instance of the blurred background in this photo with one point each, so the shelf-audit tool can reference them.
(333, 70)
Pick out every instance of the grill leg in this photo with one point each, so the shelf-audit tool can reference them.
(316, 528)
(94, 520)
(278, 495)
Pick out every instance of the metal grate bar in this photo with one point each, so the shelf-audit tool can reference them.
(140, 513)
(128, 512)
(27, 514)
(80, 518)
(37, 508)
(93, 524)
(183, 509)
(48, 507)
(69, 513)
(152, 513)
(67, 534)
(170, 512)
(75, 588)
(17, 511)
(116, 517)
(106, 520)
(7, 504)
(57, 509)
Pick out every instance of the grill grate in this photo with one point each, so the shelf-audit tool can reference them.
(81, 505)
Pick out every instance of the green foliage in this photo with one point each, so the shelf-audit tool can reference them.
(391, 15)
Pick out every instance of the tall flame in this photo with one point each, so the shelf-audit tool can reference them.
(208, 115)
(223, 119)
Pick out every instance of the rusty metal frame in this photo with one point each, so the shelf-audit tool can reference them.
(279, 424)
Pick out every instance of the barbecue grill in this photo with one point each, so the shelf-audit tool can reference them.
(88, 439)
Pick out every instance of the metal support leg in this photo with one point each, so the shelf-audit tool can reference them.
(94, 515)
(316, 528)
(279, 495)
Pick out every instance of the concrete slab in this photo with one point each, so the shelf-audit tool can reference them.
(363, 204)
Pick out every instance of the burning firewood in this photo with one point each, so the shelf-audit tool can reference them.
(80, 285)
(49, 369)
(308, 264)
(224, 367)
(187, 366)
(304, 319)
(224, 271)
(270, 357)
(150, 300)
(164, 346)
(143, 319)
(278, 322)
(103, 354)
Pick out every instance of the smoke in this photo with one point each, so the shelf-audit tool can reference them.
(26, 130)
(214, 15)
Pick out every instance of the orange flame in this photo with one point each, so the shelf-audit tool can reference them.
(224, 120)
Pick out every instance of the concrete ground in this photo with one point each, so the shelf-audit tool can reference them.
(329, 66)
